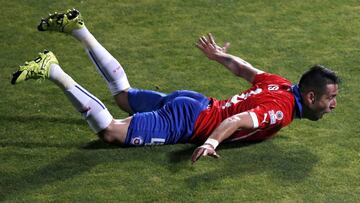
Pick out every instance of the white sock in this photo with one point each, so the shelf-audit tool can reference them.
(92, 109)
(105, 63)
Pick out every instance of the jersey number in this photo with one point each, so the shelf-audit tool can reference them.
(156, 141)
(237, 98)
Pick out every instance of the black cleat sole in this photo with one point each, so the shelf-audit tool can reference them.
(15, 76)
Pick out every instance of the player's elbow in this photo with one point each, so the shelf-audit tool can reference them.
(242, 120)
(234, 121)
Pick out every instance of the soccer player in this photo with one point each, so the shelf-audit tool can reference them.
(256, 114)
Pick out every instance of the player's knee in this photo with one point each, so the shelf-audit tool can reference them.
(116, 132)
(106, 137)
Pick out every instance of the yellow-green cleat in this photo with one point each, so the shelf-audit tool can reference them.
(62, 22)
(38, 68)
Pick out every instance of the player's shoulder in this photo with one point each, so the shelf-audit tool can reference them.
(280, 112)
(268, 78)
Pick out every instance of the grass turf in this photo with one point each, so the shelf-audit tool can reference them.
(47, 152)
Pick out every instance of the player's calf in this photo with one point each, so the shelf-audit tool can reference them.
(122, 100)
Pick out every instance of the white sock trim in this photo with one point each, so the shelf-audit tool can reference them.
(100, 121)
(119, 85)
(81, 34)
(60, 78)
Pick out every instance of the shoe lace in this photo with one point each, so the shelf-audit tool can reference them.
(35, 74)
(35, 71)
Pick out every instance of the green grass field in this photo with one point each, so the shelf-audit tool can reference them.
(48, 153)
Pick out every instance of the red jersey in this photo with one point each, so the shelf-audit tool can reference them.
(270, 103)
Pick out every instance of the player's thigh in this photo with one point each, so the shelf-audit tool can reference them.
(187, 93)
(138, 100)
(145, 100)
(122, 100)
(135, 100)
(173, 123)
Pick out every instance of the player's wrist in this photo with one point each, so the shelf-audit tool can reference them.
(212, 142)
(219, 56)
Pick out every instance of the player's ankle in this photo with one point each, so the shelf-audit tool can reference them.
(81, 34)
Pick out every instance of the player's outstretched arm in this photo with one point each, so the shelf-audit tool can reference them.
(223, 131)
(235, 64)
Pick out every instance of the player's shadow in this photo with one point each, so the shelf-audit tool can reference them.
(41, 119)
(283, 163)
(77, 162)
(98, 144)
(11, 121)
(184, 154)
(180, 159)
(81, 159)
(32, 145)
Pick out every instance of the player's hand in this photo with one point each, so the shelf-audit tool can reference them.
(204, 150)
(208, 46)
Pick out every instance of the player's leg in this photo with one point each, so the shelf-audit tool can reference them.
(116, 132)
(130, 100)
(92, 109)
(113, 73)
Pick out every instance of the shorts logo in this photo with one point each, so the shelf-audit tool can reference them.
(137, 141)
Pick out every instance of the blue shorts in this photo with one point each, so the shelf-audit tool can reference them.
(163, 119)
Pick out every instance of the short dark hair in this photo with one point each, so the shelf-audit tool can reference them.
(316, 79)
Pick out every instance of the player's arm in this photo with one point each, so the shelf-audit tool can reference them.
(223, 131)
(235, 64)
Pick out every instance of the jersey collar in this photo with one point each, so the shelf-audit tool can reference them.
(298, 101)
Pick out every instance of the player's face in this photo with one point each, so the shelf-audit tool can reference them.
(323, 104)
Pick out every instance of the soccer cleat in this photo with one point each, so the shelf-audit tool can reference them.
(62, 22)
(38, 68)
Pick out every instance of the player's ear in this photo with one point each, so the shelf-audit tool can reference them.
(309, 97)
